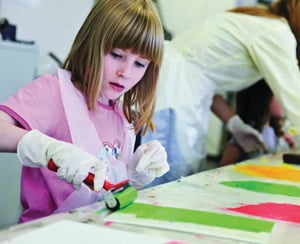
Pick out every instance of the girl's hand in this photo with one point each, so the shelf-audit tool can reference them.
(247, 137)
(148, 161)
(35, 149)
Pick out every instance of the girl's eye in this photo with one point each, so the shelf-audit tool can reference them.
(116, 55)
(139, 64)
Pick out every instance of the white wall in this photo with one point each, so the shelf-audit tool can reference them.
(52, 24)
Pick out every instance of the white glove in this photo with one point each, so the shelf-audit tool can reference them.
(35, 149)
(148, 161)
(247, 137)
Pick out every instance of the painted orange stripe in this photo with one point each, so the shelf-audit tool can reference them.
(281, 172)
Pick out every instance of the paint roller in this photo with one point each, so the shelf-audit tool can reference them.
(116, 196)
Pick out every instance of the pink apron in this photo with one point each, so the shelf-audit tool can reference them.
(74, 104)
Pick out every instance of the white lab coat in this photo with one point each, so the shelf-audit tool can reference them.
(228, 52)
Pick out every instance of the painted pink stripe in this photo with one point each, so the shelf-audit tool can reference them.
(277, 211)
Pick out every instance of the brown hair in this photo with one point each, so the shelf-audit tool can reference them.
(289, 9)
(125, 24)
(253, 104)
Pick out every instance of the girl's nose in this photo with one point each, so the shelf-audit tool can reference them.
(122, 75)
(124, 71)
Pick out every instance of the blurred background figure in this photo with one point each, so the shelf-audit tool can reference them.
(224, 53)
(257, 106)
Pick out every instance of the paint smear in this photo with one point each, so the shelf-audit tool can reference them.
(282, 172)
(278, 211)
(147, 211)
(108, 223)
(175, 242)
(265, 187)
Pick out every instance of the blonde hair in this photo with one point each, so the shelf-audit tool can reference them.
(289, 9)
(124, 24)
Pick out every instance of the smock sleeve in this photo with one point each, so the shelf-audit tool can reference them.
(37, 105)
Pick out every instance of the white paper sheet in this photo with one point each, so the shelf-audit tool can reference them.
(67, 231)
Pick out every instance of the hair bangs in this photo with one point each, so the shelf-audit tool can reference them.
(138, 33)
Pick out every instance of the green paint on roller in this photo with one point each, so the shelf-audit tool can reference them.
(154, 212)
(126, 197)
(265, 187)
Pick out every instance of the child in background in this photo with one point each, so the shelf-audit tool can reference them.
(257, 106)
(216, 56)
(76, 118)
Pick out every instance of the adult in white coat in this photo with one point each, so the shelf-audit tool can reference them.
(227, 52)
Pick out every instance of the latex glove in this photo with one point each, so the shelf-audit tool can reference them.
(35, 149)
(247, 137)
(148, 161)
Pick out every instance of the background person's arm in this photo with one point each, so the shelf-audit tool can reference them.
(247, 137)
(221, 109)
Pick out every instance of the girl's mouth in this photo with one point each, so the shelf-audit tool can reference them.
(117, 87)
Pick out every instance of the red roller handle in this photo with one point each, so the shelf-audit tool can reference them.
(89, 180)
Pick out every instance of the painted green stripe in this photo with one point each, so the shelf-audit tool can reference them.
(155, 212)
(265, 187)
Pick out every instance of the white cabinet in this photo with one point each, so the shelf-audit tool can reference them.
(10, 180)
(18, 65)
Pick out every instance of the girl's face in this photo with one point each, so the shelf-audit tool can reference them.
(122, 70)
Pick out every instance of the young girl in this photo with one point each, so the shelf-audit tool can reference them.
(257, 106)
(75, 117)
